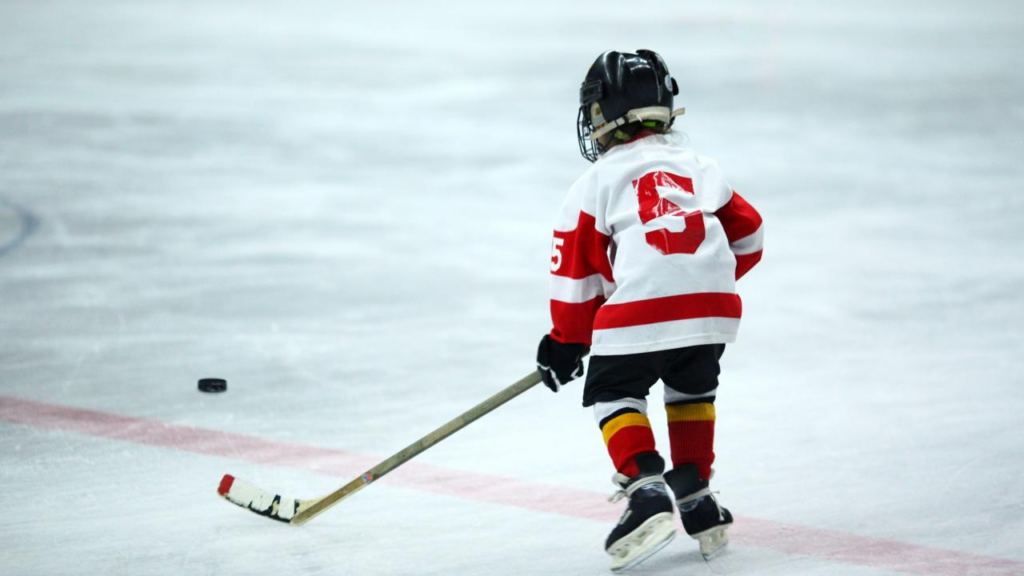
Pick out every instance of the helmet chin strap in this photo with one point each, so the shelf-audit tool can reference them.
(656, 113)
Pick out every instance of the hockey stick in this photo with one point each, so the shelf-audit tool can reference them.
(298, 512)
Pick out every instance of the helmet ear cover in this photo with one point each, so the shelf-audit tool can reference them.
(591, 91)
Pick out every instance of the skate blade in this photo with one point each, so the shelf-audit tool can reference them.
(712, 541)
(646, 541)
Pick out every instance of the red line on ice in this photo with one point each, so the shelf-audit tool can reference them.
(830, 545)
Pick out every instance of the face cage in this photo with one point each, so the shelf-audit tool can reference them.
(589, 149)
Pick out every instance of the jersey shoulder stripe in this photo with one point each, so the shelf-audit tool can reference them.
(582, 251)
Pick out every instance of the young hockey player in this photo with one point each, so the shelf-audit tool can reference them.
(645, 258)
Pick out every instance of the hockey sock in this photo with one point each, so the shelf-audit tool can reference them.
(691, 431)
(626, 430)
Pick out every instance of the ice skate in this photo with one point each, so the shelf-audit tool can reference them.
(703, 519)
(646, 525)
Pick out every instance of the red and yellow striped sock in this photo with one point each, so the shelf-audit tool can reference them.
(626, 434)
(691, 431)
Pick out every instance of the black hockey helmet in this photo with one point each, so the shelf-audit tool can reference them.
(621, 89)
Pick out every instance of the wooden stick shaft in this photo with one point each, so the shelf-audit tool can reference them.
(410, 451)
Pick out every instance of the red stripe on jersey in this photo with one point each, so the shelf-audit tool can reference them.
(738, 218)
(744, 262)
(584, 251)
(574, 322)
(667, 309)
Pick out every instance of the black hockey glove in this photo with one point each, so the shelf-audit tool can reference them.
(559, 363)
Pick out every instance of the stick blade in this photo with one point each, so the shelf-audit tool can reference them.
(258, 500)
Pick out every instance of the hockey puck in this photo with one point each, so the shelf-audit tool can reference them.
(213, 385)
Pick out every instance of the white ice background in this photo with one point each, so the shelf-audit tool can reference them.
(344, 209)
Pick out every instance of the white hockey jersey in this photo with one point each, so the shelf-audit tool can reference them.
(647, 251)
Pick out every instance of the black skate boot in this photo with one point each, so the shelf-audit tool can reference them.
(646, 525)
(704, 520)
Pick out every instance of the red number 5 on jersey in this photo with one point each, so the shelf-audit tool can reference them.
(652, 206)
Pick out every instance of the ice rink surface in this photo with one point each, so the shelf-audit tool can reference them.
(345, 209)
